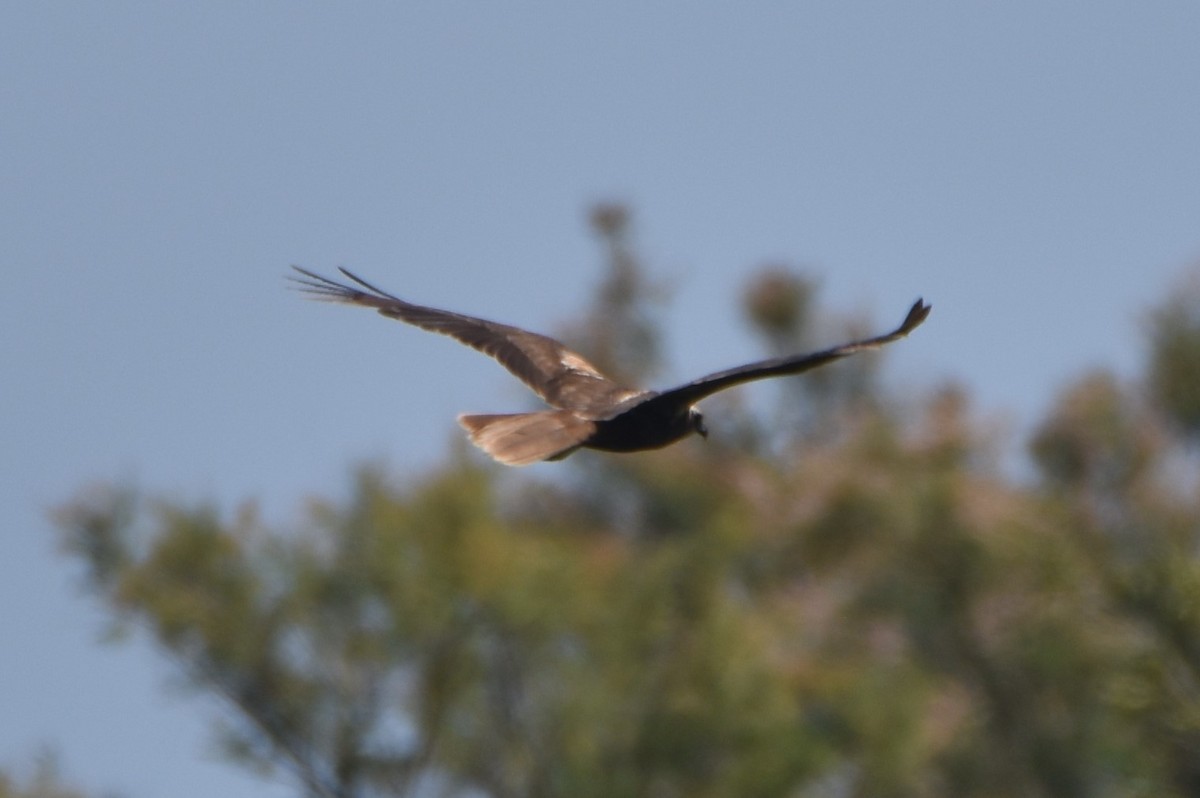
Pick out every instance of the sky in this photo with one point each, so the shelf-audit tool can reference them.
(1032, 169)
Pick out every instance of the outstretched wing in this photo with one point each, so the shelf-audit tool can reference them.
(696, 390)
(559, 376)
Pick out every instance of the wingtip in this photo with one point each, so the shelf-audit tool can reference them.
(372, 288)
(319, 287)
(301, 270)
(916, 316)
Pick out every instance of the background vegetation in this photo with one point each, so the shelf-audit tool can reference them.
(840, 594)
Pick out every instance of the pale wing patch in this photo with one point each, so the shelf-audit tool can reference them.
(625, 395)
(575, 363)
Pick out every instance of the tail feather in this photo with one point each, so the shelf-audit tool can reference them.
(522, 438)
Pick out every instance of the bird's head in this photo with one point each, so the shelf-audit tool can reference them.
(696, 420)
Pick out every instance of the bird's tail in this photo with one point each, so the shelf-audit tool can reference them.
(518, 439)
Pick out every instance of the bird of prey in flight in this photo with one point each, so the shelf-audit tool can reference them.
(589, 409)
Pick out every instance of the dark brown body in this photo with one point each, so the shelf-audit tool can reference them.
(649, 425)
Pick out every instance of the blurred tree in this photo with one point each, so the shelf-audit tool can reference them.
(780, 305)
(879, 612)
(1104, 459)
(1174, 381)
(45, 781)
(618, 332)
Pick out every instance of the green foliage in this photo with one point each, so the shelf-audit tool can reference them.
(876, 613)
(1097, 440)
(45, 781)
(619, 332)
(1173, 379)
(780, 306)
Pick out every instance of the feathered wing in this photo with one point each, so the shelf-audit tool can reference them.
(696, 390)
(519, 439)
(559, 376)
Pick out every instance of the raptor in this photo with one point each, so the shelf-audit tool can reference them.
(588, 409)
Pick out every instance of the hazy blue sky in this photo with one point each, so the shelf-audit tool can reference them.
(1030, 168)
